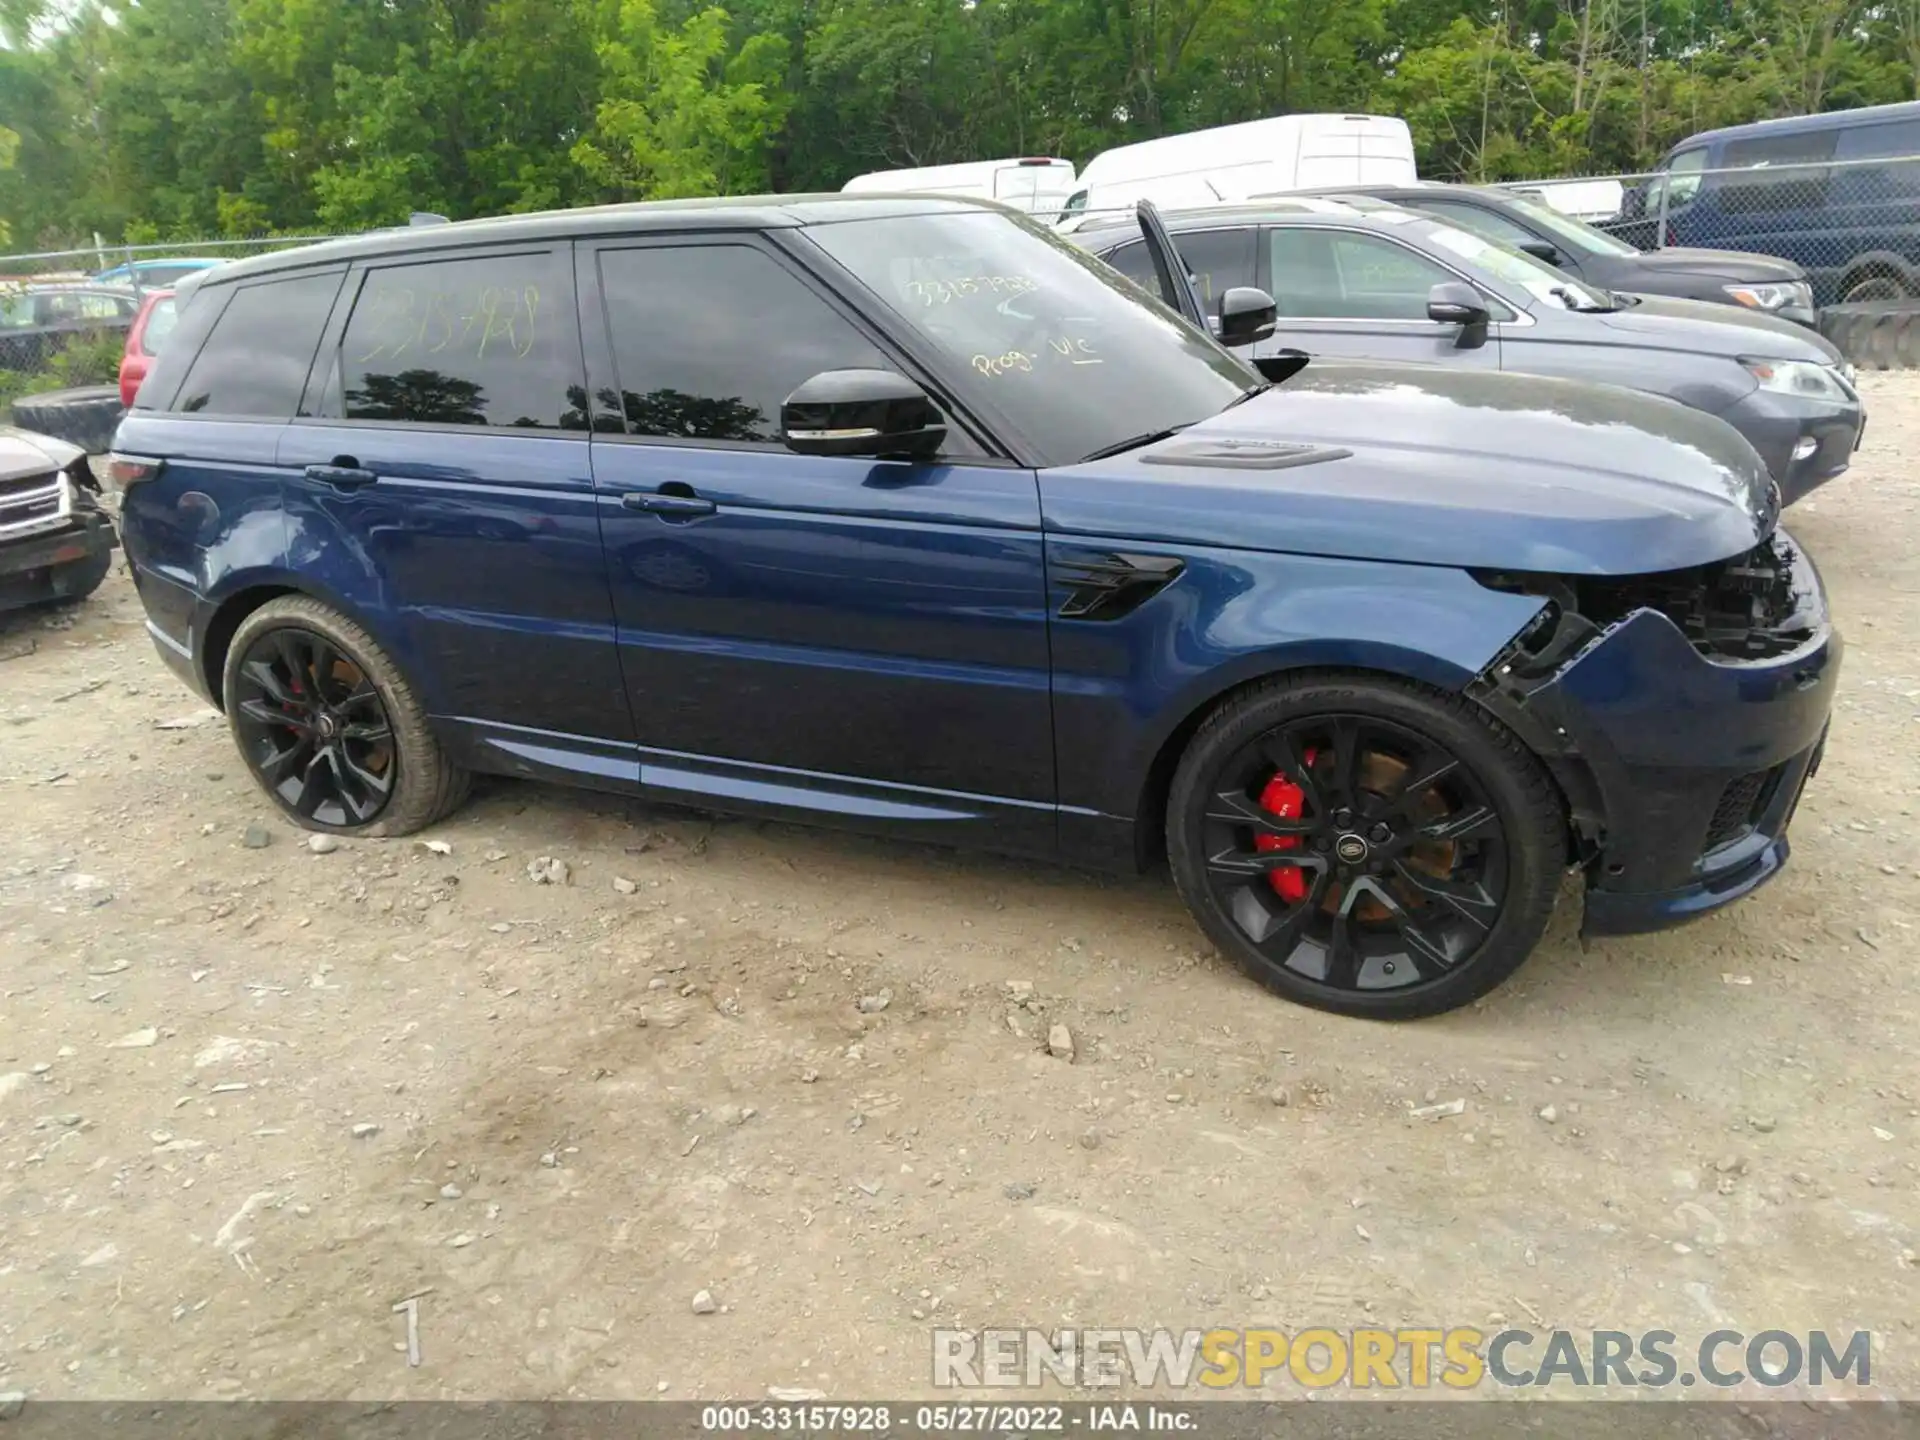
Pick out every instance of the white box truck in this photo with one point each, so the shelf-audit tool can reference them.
(1231, 162)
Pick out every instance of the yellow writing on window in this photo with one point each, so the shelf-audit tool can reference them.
(495, 320)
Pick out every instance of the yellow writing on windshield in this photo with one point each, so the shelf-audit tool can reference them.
(1071, 349)
(944, 292)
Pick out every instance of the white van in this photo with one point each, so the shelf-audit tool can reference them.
(1038, 185)
(1231, 162)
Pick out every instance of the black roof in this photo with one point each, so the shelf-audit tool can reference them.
(751, 212)
(1795, 124)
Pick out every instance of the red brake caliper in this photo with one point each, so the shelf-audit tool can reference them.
(1284, 798)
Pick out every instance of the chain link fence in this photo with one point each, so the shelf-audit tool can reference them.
(66, 313)
(1853, 224)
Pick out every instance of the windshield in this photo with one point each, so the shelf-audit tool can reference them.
(1576, 233)
(1068, 350)
(1536, 277)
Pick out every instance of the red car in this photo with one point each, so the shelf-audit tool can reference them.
(150, 329)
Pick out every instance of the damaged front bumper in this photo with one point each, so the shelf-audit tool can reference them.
(1682, 715)
(55, 542)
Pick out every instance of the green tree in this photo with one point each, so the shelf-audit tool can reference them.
(682, 111)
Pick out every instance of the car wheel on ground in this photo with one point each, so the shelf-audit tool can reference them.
(330, 728)
(1365, 847)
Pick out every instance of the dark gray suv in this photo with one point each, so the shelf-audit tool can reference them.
(1393, 284)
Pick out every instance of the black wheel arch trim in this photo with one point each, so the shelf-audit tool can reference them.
(225, 609)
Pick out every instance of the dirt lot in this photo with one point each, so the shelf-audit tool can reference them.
(592, 1100)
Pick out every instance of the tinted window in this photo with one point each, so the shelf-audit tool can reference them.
(255, 361)
(481, 340)
(1896, 176)
(1786, 172)
(1876, 142)
(1073, 356)
(708, 340)
(1133, 262)
(1218, 260)
(1338, 274)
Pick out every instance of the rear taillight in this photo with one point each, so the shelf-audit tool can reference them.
(1037, 160)
(126, 471)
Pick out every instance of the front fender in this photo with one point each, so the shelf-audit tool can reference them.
(1124, 687)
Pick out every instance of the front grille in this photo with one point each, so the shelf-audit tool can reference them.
(24, 509)
(23, 485)
(1739, 807)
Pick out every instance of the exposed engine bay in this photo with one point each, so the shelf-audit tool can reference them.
(1747, 607)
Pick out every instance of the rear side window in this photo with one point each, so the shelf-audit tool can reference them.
(1882, 167)
(1788, 172)
(708, 340)
(475, 340)
(1879, 142)
(255, 362)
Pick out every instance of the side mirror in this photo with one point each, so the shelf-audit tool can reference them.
(1247, 315)
(1541, 250)
(1454, 302)
(861, 412)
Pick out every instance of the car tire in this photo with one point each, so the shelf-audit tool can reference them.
(85, 416)
(1455, 879)
(301, 676)
(77, 581)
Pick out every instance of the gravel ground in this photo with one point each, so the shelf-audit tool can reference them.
(252, 1096)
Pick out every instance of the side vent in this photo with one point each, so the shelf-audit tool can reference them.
(1106, 587)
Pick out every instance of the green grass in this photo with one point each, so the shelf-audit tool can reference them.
(86, 359)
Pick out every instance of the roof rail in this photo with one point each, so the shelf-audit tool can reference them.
(427, 217)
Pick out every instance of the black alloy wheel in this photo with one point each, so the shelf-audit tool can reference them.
(1364, 847)
(313, 728)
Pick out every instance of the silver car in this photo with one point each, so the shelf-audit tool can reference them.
(1385, 283)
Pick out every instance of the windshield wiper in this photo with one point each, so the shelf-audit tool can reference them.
(1132, 442)
(1248, 394)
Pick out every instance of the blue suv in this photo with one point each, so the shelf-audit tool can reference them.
(903, 514)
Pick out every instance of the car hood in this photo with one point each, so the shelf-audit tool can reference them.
(1728, 265)
(24, 453)
(1435, 466)
(1705, 327)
